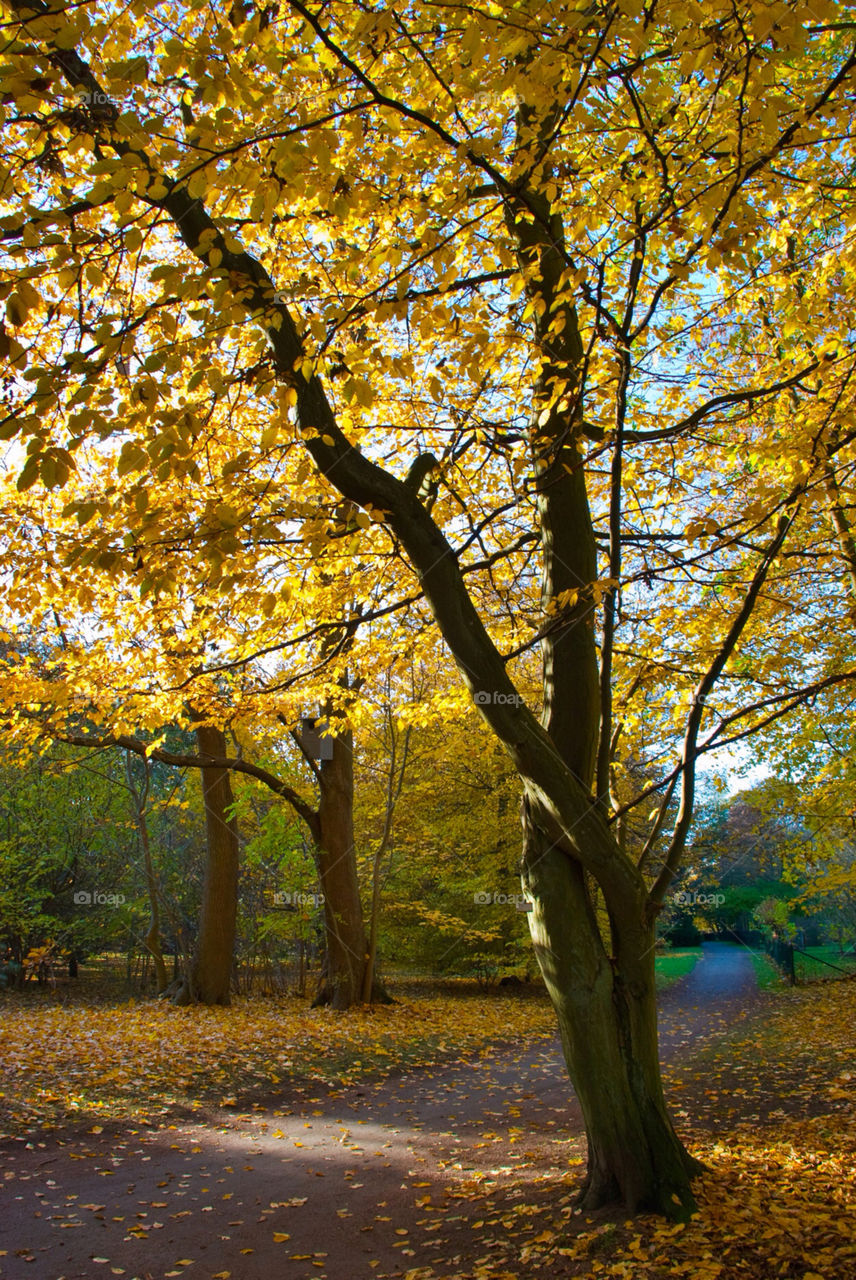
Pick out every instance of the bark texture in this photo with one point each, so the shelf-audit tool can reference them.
(606, 1009)
(347, 954)
(210, 977)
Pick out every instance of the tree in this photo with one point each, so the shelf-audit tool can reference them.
(211, 970)
(599, 165)
(191, 658)
(75, 867)
(63, 833)
(331, 828)
(440, 806)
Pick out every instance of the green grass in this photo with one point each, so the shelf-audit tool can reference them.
(669, 966)
(768, 975)
(806, 969)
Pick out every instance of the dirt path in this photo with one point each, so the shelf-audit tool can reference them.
(372, 1183)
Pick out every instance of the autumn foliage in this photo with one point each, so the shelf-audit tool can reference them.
(337, 334)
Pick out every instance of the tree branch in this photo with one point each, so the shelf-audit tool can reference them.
(184, 761)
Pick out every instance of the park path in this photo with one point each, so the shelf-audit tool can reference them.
(372, 1182)
(719, 991)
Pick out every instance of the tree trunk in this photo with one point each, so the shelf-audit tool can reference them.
(606, 1010)
(211, 968)
(605, 999)
(605, 1004)
(347, 950)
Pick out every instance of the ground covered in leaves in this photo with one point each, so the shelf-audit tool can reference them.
(771, 1110)
(65, 1055)
(143, 1060)
(463, 1168)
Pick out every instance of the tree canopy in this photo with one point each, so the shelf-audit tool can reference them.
(334, 330)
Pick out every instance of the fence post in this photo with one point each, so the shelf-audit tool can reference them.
(782, 954)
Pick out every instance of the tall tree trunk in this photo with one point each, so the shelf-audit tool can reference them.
(606, 1010)
(210, 975)
(623, 1096)
(622, 1093)
(605, 1000)
(347, 949)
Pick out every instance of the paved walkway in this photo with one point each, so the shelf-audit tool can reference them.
(720, 990)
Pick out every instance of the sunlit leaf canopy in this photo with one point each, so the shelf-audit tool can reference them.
(693, 164)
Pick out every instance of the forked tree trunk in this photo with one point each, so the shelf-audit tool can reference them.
(347, 948)
(605, 1004)
(606, 1010)
(210, 973)
(605, 1001)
